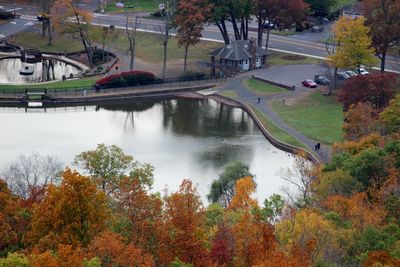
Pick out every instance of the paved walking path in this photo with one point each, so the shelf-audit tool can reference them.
(248, 97)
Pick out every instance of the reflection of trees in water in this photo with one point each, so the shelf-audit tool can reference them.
(223, 154)
(204, 118)
(129, 107)
(48, 73)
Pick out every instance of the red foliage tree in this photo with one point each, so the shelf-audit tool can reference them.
(376, 88)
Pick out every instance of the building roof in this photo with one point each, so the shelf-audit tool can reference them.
(356, 8)
(237, 50)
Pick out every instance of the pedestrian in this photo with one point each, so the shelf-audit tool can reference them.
(84, 92)
(258, 100)
(283, 100)
(318, 146)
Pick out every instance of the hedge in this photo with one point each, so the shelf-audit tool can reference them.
(127, 78)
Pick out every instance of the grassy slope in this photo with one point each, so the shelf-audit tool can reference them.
(263, 88)
(146, 42)
(70, 84)
(318, 117)
(277, 59)
(138, 5)
(277, 132)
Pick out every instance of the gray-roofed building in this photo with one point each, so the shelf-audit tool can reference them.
(354, 10)
(241, 55)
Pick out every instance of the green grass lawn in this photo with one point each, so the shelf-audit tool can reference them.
(68, 84)
(277, 58)
(35, 40)
(277, 132)
(148, 47)
(263, 88)
(317, 116)
(133, 5)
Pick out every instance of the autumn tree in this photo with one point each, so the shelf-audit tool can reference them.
(141, 214)
(14, 259)
(222, 189)
(391, 116)
(354, 42)
(360, 120)
(382, 16)
(70, 214)
(189, 20)
(113, 250)
(183, 233)
(377, 89)
(73, 19)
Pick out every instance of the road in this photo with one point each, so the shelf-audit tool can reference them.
(277, 42)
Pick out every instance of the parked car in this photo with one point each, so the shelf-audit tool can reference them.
(309, 83)
(363, 71)
(317, 29)
(322, 80)
(350, 73)
(342, 76)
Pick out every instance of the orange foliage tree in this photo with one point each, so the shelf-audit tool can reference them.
(183, 234)
(70, 214)
(112, 250)
(143, 212)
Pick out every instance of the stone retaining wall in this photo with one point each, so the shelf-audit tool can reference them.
(289, 87)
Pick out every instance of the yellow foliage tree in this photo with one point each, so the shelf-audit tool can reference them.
(354, 47)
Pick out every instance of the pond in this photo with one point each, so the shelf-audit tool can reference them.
(44, 71)
(181, 138)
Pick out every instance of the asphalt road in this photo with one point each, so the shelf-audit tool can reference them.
(277, 42)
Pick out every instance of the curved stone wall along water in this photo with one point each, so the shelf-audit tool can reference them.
(181, 138)
(44, 71)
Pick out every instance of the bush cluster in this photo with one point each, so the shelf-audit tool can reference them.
(128, 78)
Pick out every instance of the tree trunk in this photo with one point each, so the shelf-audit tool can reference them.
(383, 61)
(267, 40)
(246, 30)
(185, 59)
(260, 31)
(132, 51)
(50, 33)
(225, 32)
(44, 24)
(235, 27)
(165, 44)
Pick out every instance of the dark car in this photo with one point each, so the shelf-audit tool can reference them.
(342, 76)
(322, 80)
(309, 83)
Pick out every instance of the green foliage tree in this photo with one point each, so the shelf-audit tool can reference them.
(108, 164)
(222, 189)
(321, 7)
(273, 207)
(14, 260)
(391, 116)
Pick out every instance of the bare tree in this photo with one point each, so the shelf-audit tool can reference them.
(329, 72)
(131, 27)
(30, 171)
(46, 12)
(299, 179)
(330, 47)
(165, 30)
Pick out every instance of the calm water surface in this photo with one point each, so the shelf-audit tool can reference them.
(44, 71)
(180, 138)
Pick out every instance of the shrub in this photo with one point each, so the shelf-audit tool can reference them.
(192, 76)
(128, 78)
(6, 15)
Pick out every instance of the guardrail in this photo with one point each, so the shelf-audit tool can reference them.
(84, 91)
